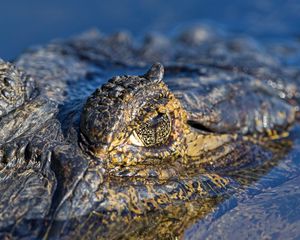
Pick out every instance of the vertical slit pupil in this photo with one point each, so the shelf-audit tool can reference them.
(155, 131)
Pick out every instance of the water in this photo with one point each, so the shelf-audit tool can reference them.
(25, 23)
(269, 209)
(254, 213)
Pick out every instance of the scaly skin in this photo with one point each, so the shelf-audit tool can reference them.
(134, 152)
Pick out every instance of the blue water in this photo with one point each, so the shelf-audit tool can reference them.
(26, 23)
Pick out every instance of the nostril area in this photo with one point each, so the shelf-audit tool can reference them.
(27, 153)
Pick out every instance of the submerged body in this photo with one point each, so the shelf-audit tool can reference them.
(160, 147)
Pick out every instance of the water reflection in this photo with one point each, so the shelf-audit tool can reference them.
(268, 209)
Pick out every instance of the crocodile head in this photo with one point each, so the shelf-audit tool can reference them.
(133, 121)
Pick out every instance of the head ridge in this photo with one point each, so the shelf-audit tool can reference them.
(15, 87)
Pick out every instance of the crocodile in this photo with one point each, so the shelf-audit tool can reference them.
(147, 152)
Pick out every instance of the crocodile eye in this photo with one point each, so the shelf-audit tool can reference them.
(153, 132)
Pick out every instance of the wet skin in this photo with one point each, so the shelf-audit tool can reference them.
(159, 147)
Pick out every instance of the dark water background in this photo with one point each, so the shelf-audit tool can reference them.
(31, 22)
